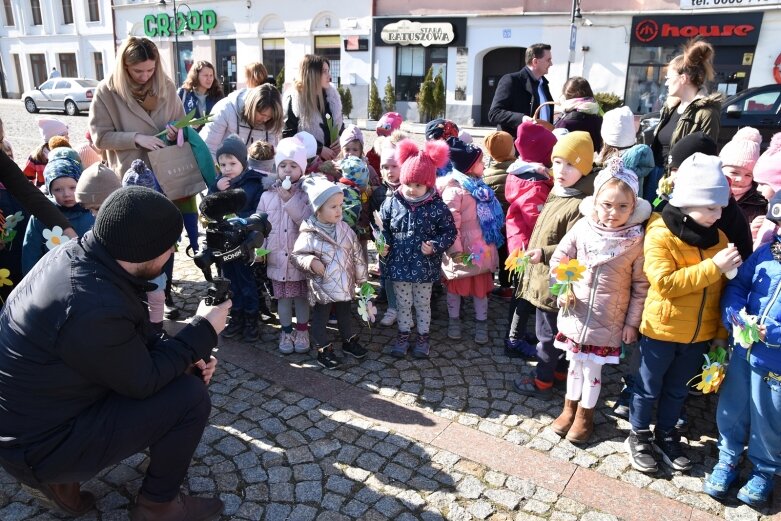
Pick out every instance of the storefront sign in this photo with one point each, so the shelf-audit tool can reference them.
(705, 4)
(730, 29)
(163, 24)
(438, 32)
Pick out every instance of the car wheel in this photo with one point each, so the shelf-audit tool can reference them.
(30, 105)
(70, 108)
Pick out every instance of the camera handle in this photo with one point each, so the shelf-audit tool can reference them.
(219, 291)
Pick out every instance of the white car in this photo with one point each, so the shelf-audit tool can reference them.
(70, 95)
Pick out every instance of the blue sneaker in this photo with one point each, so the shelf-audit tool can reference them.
(519, 348)
(756, 491)
(721, 478)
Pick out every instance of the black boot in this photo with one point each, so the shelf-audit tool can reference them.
(251, 332)
(236, 325)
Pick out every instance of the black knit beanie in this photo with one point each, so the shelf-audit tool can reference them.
(136, 224)
(688, 145)
(234, 146)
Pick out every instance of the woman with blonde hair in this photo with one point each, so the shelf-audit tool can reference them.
(254, 114)
(255, 74)
(313, 105)
(132, 105)
(200, 91)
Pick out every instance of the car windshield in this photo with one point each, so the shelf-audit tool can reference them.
(87, 83)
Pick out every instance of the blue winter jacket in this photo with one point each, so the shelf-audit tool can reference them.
(34, 245)
(406, 226)
(251, 182)
(189, 101)
(757, 287)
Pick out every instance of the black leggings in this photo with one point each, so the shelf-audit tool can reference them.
(319, 321)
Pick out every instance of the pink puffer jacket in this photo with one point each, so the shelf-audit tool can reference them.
(285, 219)
(470, 236)
(612, 291)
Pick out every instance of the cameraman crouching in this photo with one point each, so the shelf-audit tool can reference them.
(85, 382)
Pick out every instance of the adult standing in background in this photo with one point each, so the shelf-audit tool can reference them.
(200, 91)
(520, 93)
(313, 104)
(134, 103)
(54, 73)
(256, 75)
(253, 114)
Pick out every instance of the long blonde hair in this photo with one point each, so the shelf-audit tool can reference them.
(132, 51)
(309, 86)
(260, 98)
(191, 81)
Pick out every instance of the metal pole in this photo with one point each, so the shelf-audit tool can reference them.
(571, 28)
(176, 44)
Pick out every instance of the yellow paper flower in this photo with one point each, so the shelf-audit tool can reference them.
(711, 378)
(571, 271)
(4, 280)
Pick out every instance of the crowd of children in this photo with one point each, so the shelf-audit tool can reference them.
(657, 283)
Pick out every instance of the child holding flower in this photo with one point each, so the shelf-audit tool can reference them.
(604, 309)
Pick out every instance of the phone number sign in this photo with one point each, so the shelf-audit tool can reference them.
(705, 4)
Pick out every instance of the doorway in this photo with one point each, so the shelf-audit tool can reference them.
(496, 64)
(226, 65)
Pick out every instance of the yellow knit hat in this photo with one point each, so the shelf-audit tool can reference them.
(577, 149)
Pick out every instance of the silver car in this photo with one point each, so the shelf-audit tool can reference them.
(70, 95)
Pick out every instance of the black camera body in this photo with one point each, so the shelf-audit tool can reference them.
(227, 240)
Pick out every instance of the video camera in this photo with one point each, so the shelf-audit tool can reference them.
(233, 239)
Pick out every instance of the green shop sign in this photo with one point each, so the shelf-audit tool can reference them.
(163, 24)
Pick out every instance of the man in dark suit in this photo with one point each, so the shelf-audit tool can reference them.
(520, 93)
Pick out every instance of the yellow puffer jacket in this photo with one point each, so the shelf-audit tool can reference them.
(685, 287)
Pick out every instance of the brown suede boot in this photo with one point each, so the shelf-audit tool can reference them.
(181, 508)
(583, 426)
(68, 497)
(562, 424)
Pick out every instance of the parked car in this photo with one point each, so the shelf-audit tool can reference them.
(758, 107)
(71, 95)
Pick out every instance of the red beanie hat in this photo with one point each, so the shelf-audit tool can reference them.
(534, 143)
(420, 166)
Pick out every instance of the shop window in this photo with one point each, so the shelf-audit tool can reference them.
(68, 65)
(38, 67)
(97, 58)
(93, 11)
(411, 66)
(274, 55)
(35, 7)
(329, 47)
(9, 13)
(67, 12)
(645, 90)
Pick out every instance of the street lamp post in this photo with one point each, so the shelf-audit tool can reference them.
(163, 4)
(573, 32)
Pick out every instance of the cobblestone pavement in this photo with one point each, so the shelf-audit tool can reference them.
(444, 438)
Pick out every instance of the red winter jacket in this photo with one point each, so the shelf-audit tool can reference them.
(526, 198)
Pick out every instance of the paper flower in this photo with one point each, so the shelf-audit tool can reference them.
(54, 237)
(745, 330)
(712, 372)
(12, 220)
(4, 280)
(379, 238)
(261, 252)
(567, 273)
(366, 308)
(517, 262)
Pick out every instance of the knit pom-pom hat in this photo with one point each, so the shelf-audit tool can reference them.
(420, 166)
(768, 167)
(743, 150)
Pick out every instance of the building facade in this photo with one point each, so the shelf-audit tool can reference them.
(76, 37)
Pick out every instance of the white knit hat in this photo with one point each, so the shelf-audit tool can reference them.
(618, 127)
(319, 189)
(293, 149)
(309, 141)
(700, 182)
(743, 150)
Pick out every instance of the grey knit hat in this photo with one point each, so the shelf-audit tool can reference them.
(136, 224)
(319, 190)
(700, 182)
(234, 146)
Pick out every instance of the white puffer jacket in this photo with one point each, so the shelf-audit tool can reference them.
(345, 267)
(285, 219)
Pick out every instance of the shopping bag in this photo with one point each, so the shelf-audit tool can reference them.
(177, 171)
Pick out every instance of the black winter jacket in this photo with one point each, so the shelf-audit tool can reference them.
(75, 330)
(516, 96)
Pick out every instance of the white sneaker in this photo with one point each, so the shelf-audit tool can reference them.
(389, 318)
(301, 344)
(286, 343)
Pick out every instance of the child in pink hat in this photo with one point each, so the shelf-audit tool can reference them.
(767, 174)
(738, 158)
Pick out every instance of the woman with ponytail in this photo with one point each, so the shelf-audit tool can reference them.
(689, 108)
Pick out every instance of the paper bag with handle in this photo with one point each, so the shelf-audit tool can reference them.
(177, 171)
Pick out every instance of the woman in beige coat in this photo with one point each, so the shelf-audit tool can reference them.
(134, 103)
